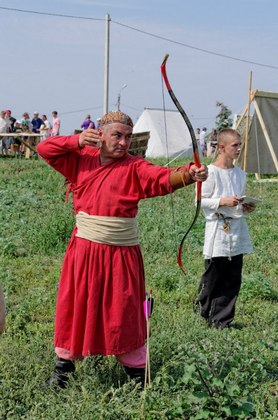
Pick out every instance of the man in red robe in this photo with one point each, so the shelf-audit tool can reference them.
(102, 277)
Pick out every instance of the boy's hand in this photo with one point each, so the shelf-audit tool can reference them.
(232, 201)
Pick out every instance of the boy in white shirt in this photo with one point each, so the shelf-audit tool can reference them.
(226, 235)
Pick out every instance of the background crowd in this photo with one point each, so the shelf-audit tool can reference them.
(40, 125)
(207, 142)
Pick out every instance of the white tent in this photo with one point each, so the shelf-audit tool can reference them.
(169, 135)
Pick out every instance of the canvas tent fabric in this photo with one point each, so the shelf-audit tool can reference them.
(169, 135)
(262, 144)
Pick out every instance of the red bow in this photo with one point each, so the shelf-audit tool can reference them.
(195, 154)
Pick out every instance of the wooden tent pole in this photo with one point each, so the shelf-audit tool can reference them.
(253, 94)
(241, 117)
(247, 121)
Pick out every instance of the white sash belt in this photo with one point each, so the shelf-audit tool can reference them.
(107, 230)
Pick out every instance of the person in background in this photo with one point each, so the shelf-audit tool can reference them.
(197, 136)
(36, 123)
(203, 145)
(100, 304)
(88, 123)
(11, 129)
(25, 123)
(212, 143)
(56, 124)
(45, 129)
(4, 128)
(17, 144)
(98, 122)
(227, 237)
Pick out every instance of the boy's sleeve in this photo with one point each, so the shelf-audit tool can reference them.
(208, 187)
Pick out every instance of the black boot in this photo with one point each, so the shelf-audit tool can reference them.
(61, 373)
(137, 374)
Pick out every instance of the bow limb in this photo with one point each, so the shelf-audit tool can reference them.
(195, 154)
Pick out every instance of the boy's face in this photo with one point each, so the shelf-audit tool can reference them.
(231, 148)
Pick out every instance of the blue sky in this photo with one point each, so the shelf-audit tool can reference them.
(57, 63)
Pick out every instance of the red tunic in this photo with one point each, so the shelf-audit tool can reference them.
(102, 287)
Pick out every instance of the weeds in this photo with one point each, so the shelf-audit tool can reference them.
(197, 372)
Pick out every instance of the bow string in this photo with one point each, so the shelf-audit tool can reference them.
(195, 155)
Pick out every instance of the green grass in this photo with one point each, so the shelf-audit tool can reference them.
(198, 373)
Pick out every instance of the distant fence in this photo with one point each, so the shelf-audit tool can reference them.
(139, 143)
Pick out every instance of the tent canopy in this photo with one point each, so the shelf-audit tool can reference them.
(261, 145)
(169, 135)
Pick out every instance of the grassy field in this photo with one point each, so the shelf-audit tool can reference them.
(197, 372)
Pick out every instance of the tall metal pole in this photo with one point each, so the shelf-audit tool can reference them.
(106, 64)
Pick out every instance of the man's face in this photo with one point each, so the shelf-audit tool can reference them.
(116, 139)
